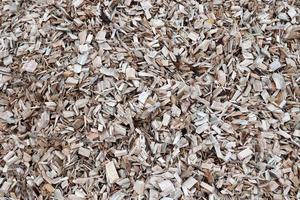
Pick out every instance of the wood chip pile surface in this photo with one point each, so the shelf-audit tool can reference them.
(149, 99)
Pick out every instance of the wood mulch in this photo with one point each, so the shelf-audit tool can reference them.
(149, 99)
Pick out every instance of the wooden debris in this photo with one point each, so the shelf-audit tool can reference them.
(84, 152)
(245, 153)
(30, 66)
(207, 187)
(149, 99)
(189, 183)
(49, 188)
(111, 172)
(293, 32)
(279, 81)
(139, 187)
(275, 65)
(130, 73)
(77, 3)
(166, 186)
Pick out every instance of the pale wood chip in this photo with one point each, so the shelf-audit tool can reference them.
(143, 96)
(207, 187)
(245, 153)
(189, 183)
(279, 81)
(166, 186)
(43, 121)
(119, 195)
(157, 23)
(166, 119)
(130, 73)
(109, 72)
(139, 187)
(275, 65)
(84, 152)
(193, 36)
(221, 77)
(77, 3)
(296, 133)
(111, 172)
(80, 103)
(7, 116)
(8, 60)
(30, 66)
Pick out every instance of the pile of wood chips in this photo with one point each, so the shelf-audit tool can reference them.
(149, 99)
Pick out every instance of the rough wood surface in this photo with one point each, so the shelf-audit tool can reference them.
(149, 99)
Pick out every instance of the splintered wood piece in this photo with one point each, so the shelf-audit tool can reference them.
(119, 195)
(80, 103)
(143, 97)
(207, 187)
(8, 60)
(111, 172)
(193, 36)
(84, 152)
(58, 195)
(30, 66)
(156, 23)
(130, 73)
(166, 186)
(146, 5)
(108, 72)
(279, 81)
(8, 156)
(275, 65)
(221, 76)
(189, 183)
(49, 188)
(5, 186)
(139, 187)
(244, 154)
(77, 3)
(272, 186)
(296, 133)
(166, 119)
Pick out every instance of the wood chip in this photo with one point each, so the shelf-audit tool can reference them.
(207, 187)
(143, 96)
(130, 73)
(111, 172)
(77, 3)
(245, 153)
(157, 23)
(30, 66)
(189, 183)
(84, 152)
(275, 65)
(279, 81)
(166, 186)
(139, 187)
